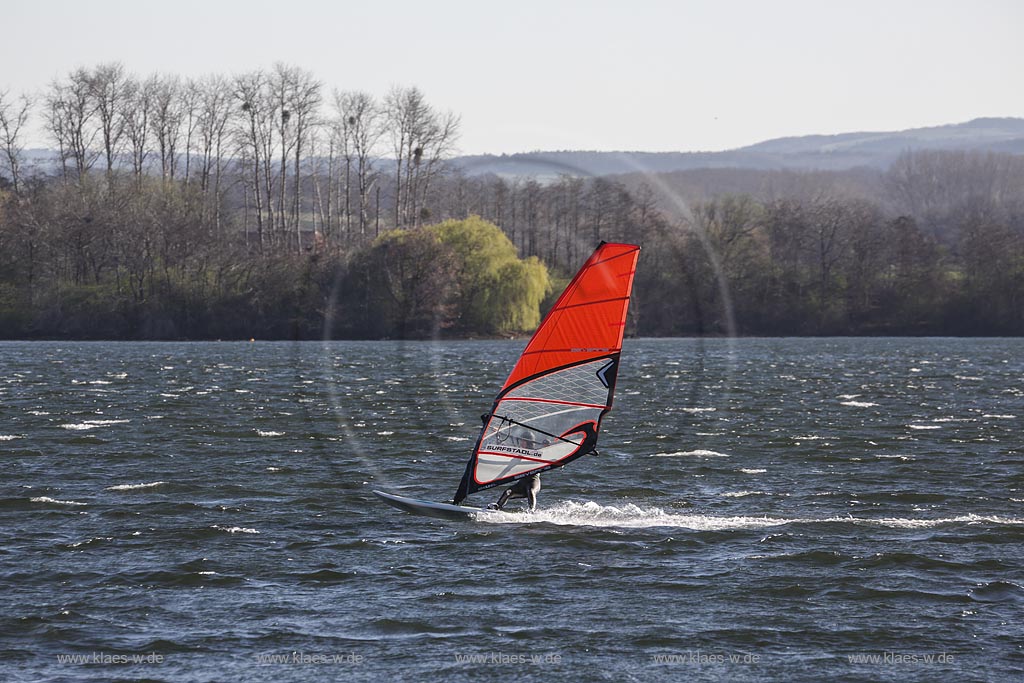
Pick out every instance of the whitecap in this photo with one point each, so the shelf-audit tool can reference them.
(235, 529)
(54, 501)
(745, 470)
(924, 426)
(858, 404)
(10, 437)
(133, 487)
(699, 410)
(1000, 417)
(260, 432)
(91, 424)
(699, 453)
(90, 540)
(743, 494)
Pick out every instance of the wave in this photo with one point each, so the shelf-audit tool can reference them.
(632, 516)
(998, 591)
(54, 501)
(133, 487)
(10, 437)
(91, 424)
(700, 453)
(235, 529)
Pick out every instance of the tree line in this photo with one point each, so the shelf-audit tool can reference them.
(262, 205)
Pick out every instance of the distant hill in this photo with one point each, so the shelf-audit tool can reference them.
(822, 152)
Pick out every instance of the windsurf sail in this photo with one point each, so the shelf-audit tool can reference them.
(549, 410)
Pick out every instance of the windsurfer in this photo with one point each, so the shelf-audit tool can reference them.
(527, 487)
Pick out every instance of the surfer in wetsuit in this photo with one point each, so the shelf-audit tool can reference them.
(527, 487)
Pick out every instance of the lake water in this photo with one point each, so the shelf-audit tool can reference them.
(762, 509)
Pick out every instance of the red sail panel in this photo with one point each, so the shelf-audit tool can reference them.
(588, 320)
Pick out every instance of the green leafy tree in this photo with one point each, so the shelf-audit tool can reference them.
(496, 291)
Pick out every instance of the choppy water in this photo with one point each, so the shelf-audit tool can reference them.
(761, 510)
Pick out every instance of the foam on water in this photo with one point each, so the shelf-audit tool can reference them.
(54, 501)
(86, 425)
(571, 513)
(133, 487)
(699, 453)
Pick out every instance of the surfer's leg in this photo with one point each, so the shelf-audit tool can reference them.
(532, 491)
(501, 501)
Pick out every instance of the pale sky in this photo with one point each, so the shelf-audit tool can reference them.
(526, 75)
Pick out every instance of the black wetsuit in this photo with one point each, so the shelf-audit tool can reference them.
(527, 487)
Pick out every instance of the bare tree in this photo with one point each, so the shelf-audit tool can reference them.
(213, 115)
(13, 117)
(361, 123)
(420, 140)
(166, 121)
(137, 114)
(70, 115)
(190, 102)
(249, 92)
(110, 88)
(297, 98)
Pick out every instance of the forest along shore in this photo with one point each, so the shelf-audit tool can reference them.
(257, 206)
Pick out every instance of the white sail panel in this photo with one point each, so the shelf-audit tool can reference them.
(543, 421)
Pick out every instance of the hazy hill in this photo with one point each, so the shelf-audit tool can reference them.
(824, 152)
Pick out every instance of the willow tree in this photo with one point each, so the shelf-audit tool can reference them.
(497, 292)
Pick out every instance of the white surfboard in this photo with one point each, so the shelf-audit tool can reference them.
(429, 508)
